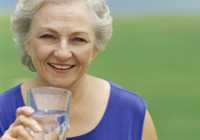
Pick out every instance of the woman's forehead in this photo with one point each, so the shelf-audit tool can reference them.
(64, 9)
(53, 15)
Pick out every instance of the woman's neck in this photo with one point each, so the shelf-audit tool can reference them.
(80, 89)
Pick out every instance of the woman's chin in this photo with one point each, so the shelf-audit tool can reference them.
(60, 82)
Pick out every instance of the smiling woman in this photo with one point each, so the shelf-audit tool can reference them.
(64, 43)
(59, 39)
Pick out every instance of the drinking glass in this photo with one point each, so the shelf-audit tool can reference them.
(52, 107)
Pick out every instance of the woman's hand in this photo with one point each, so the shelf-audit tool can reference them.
(23, 127)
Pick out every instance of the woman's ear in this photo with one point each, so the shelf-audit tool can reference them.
(94, 54)
(27, 46)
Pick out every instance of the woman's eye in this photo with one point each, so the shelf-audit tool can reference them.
(47, 36)
(79, 40)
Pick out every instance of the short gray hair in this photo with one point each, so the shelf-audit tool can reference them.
(25, 10)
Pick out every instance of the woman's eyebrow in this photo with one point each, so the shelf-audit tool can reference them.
(52, 30)
(80, 33)
(48, 29)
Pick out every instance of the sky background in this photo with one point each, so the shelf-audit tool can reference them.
(140, 6)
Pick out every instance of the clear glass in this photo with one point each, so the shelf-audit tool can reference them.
(52, 107)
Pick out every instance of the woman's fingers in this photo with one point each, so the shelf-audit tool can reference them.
(20, 132)
(16, 133)
(25, 110)
(24, 126)
(24, 117)
(28, 122)
(7, 137)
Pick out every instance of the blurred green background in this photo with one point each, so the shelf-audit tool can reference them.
(155, 56)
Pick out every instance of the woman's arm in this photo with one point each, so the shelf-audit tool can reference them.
(149, 131)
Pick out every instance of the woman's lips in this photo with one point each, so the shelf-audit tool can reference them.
(61, 67)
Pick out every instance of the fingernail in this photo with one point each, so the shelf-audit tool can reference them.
(32, 110)
(29, 109)
(38, 128)
(30, 131)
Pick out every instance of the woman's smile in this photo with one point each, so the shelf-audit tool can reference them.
(61, 68)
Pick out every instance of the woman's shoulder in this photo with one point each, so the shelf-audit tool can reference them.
(9, 94)
(10, 91)
(128, 99)
(9, 101)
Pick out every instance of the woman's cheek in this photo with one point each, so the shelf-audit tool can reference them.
(43, 52)
(85, 56)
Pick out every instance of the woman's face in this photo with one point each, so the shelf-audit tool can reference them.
(61, 43)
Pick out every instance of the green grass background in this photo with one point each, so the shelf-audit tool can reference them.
(156, 56)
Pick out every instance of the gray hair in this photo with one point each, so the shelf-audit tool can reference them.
(25, 10)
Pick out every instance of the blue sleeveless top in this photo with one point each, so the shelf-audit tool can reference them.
(122, 120)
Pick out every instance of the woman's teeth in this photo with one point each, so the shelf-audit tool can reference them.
(60, 66)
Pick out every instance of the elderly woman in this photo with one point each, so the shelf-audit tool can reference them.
(59, 39)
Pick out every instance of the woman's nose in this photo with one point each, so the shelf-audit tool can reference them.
(63, 52)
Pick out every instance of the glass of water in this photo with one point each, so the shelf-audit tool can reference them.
(52, 106)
